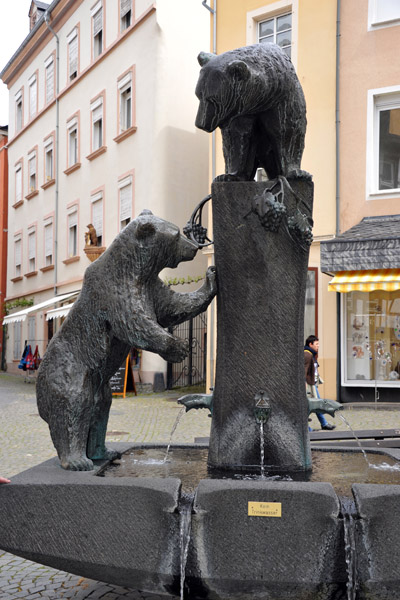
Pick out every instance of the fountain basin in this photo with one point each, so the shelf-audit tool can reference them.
(126, 531)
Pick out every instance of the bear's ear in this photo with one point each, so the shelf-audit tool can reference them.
(145, 230)
(204, 57)
(238, 69)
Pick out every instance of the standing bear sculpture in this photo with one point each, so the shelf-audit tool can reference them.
(123, 303)
(254, 96)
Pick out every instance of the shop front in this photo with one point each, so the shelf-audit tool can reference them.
(369, 297)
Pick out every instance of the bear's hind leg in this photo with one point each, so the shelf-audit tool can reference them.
(96, 447)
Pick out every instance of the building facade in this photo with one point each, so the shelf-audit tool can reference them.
(101, 126)
(3, 229)
(364, 257)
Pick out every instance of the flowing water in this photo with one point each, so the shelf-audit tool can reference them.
(382, 466)
(175, 425)
(262, 449)
(348, 512)
(185, 512)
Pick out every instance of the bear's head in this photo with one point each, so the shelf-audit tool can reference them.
(220, 90)
(156, 244)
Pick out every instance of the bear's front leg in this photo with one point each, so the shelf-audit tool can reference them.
(239, 147)
(173, 308)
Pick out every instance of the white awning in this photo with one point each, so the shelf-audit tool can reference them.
(22, 314)
(58, 312)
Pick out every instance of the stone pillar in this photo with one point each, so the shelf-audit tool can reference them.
(261, 293)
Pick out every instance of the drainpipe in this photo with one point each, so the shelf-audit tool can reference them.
(337, 126)
(213, 11)
(47, 21)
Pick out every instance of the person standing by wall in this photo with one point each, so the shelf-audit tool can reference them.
(312, 376)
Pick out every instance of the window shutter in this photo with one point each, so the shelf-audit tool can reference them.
(18, 185)
(32, 165)
(97, 216)
(98, 21)
(73, 55)
(125, 7)
(32, 97)
(32, 245)
(97, 113)
(18, 245)
(125, 198)
(49, 82)
(48, 240)
(73, 219)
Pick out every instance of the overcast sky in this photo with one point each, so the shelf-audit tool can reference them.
(14, 29)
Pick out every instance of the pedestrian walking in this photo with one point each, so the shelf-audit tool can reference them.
(312, 376)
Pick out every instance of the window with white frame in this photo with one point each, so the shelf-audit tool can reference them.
(49, 159)
(97, 216)
(31, 249)
(49, 68)
(18, 183)
(383, 12)
(73, 232)
(125, 201)
(125, 13)
(277, 30)
(17, 327)
(97, 124)
(384, 144)
(72, 127)
(48, 243)
(32, 329)
(72, 40)
(32, 172)
(125, 102)
(18, 111)
(97, 23)
(32, 96)
(18, 256)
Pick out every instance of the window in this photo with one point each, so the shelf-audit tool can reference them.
(72, 128)
(97, 216)
(31, 250)
(32, 172)
(125, 102)
(49, 160)
(371, 338)
(18, 183)
(18, 111)
(383, 139)
(125, 13)
(32, 96)
(73, 232)
(383, 13)
(97, 124)
(310, 309)
(48, 243)
(277, 30)
(49, 67)
(17, 340)
(72, 41)
(97, 24)
(18, 256)
(125, 201)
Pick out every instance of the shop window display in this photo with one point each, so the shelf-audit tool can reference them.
(372, 337)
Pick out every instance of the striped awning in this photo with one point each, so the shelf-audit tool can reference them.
(58, 312)
(22, 314)
(365, 281)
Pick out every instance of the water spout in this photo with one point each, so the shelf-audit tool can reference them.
(262, 409)
(178, 418)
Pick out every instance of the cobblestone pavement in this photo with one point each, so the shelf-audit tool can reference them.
(25, 442)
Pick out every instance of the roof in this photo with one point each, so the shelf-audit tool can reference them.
(41, 5)
(31, 34)
(374, 243)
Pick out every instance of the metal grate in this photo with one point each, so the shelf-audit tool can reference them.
(191, 371)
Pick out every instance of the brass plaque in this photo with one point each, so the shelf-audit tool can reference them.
(265, 509)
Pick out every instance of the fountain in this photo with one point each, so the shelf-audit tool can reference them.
(239, 537)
